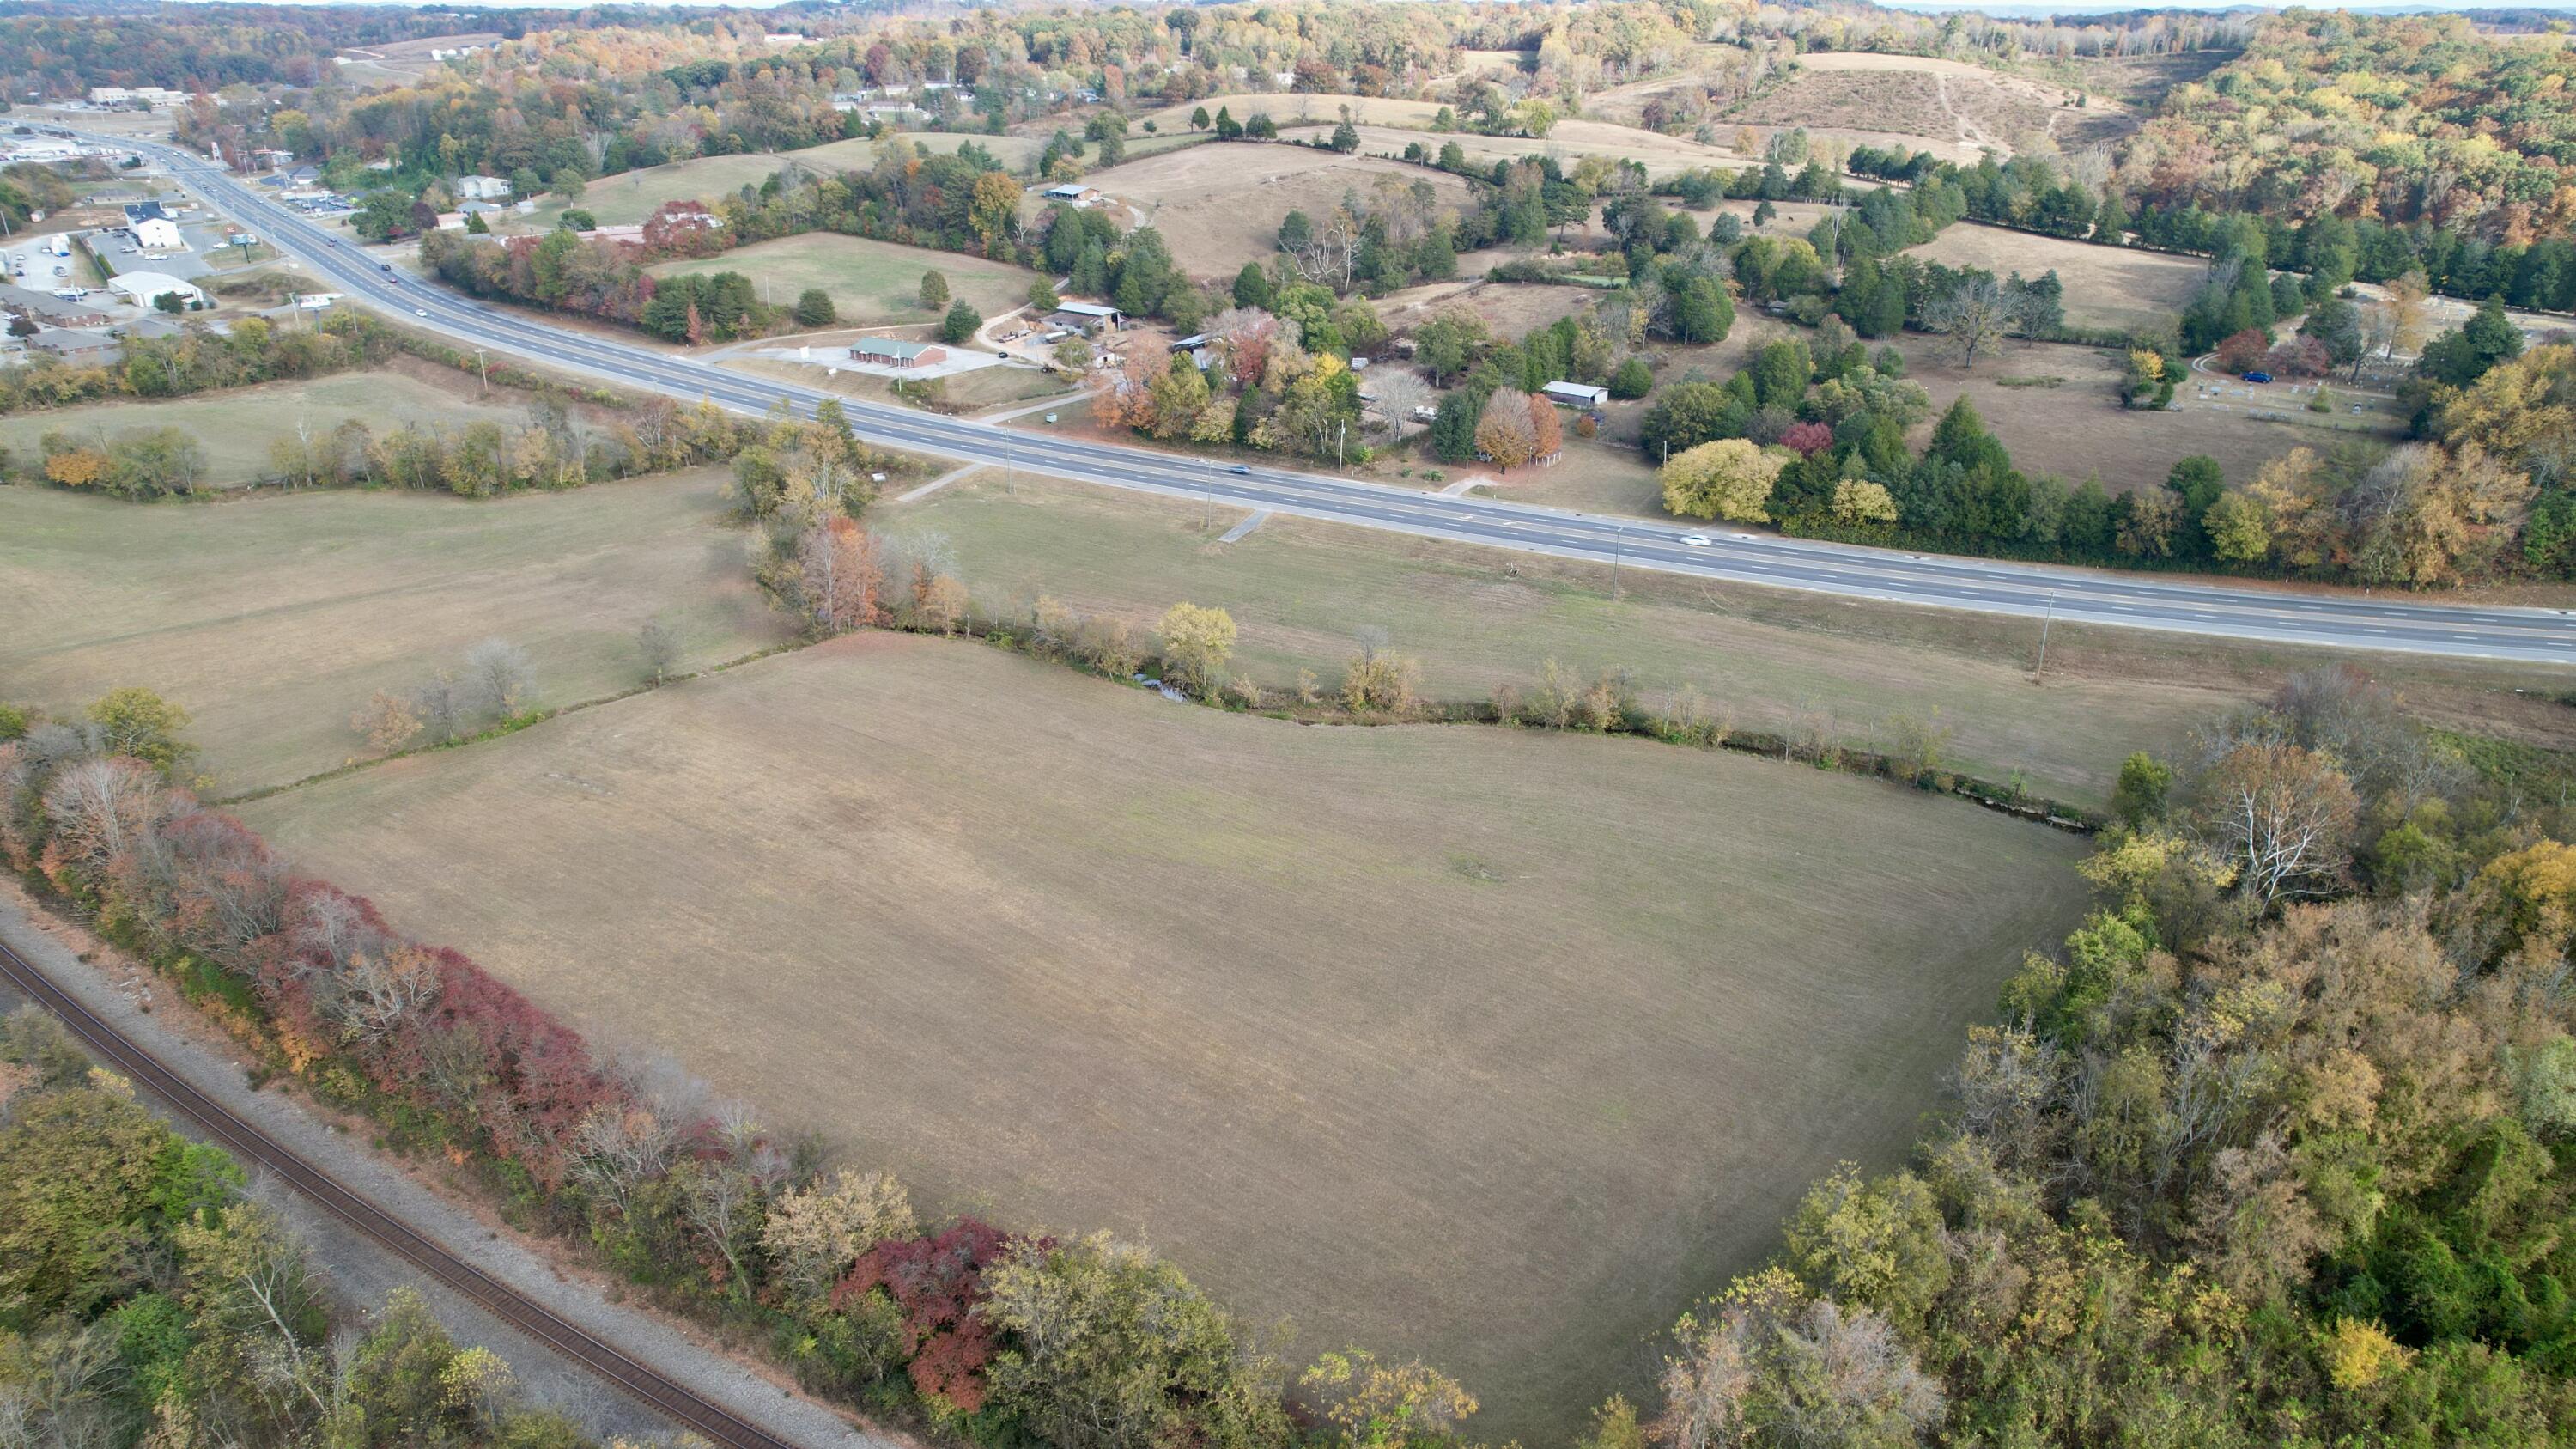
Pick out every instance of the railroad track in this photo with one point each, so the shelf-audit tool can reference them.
(249, 1144)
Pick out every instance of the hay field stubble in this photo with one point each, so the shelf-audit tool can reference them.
(1496, 1047)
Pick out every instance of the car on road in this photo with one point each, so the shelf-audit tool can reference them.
(2258, 377)
(420, 311)
(384, 266)
(1696, 540)
(1239, 468)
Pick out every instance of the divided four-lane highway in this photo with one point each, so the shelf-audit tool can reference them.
(2250, 612)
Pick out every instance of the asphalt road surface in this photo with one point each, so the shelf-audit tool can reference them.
(2339, 620)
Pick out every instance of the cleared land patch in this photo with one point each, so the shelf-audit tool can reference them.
(1953, 104)
(2105, 286)
(1220, 206)
(1510, 309)
(1491, 1046)
(2057, 408)
(1568, 141)
(239, 426)
(869, 281)
(271, 620)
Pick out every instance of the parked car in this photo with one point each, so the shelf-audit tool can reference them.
(2258, 377)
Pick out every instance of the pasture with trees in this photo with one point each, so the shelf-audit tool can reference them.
(1636, 1033)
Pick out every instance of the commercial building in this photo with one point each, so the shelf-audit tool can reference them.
(888, 352)
(146, 289)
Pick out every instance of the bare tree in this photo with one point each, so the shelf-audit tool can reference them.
(2284, 816)
(335, 928)
(1331, 252)
(383, 991)
(726, 1191)
(659, 644)
(1397, 393)
(442, 704)
(617, 1147)
(1972, 316)
(102, 808)
(501, 675)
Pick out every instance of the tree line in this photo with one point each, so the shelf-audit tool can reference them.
(147, 1298)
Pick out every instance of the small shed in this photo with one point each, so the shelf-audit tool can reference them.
(889, 352)
(1072, 191)
(1576, 394)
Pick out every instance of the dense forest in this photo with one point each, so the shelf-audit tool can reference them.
(2404, 119)
(2275, 1151)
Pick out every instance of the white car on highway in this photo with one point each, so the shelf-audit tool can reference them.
(1696, 540)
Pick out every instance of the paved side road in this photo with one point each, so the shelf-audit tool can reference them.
(2336, 620)
(790, 1416)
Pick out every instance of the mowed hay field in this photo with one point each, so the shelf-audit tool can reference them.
(1476, 618)
(237, 428)
(2110, 287)
(1220, 206)
(272, 619)
(869, 281)
(631, 196)
(1495, 1047)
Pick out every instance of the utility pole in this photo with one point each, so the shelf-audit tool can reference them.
(1207, 497)
(2045, 621)
(1618, 547)
(1338, 442)
(486, 364)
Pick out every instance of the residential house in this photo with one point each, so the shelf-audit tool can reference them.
(483, 188)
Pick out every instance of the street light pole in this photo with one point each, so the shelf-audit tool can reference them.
(2045, 621)
(486, 365)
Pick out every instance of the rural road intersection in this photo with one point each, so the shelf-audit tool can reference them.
(2255, 612)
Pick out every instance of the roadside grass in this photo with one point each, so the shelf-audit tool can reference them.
(1781, 660)
(272, 620)
(1490, 1046)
